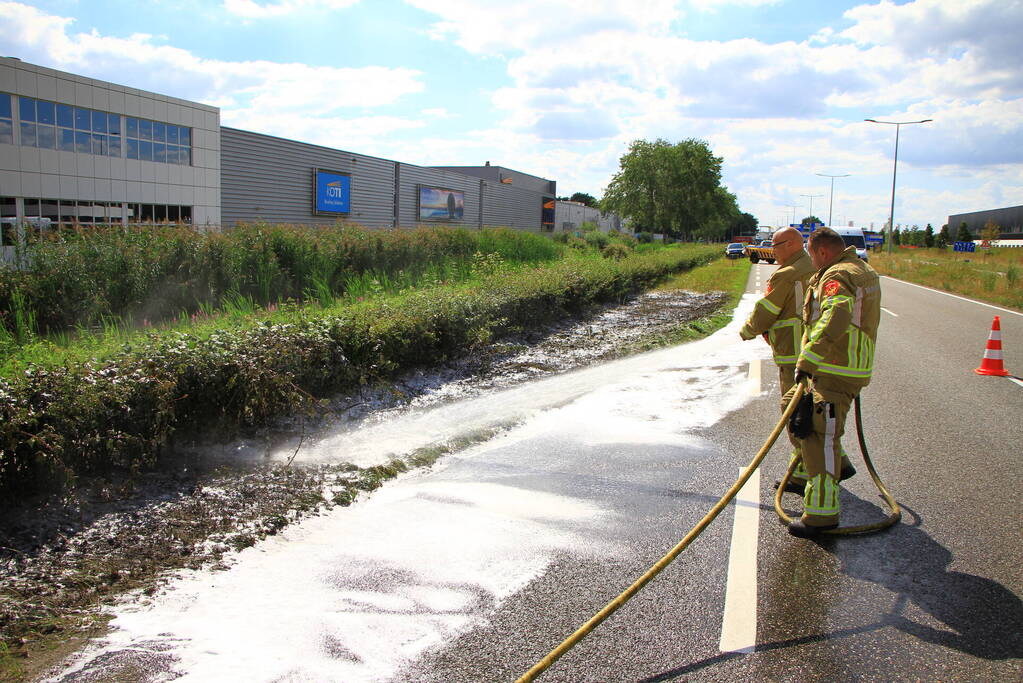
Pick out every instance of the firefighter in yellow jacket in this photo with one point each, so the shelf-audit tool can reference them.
(778, 316)
(840, 316)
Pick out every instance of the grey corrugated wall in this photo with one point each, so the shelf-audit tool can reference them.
(570, 215)
(409, 179)
(1009, 219)
(510, 206)
(269, 178)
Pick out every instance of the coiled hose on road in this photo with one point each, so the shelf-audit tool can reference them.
(656, 569)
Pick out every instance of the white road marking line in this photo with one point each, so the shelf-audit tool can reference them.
(753, 378)
(1017, 381)
(889, 312)
(954, 296)
(739, 621)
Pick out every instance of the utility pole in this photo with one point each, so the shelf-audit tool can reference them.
(831, 202)
(811, 196)
(895, 168)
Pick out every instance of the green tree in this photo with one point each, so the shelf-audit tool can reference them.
(929, 236)
(583, 198)
(674, 189)
(991, 231)
(913, 236)
(743, 224)
(964, 234)
(897, 238)
(810, 220)
(944, 237)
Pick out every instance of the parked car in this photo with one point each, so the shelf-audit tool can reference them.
(735, 250)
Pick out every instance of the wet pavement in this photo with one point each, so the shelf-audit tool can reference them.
(357, 594)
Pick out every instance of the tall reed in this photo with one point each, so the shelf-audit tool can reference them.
(79, 278)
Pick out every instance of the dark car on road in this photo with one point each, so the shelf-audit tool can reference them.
(735, 250)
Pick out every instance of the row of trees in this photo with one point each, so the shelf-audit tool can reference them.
(926, 237)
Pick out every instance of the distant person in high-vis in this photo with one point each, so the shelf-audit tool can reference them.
(778, 316)
(840, 317)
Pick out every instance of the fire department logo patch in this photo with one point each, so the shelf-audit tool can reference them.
(831, 287)
(769, 287)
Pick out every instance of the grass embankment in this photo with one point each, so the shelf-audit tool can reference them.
(77, 415)
(992, 276)
(721, 275)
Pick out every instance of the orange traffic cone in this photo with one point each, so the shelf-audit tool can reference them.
(992, 362)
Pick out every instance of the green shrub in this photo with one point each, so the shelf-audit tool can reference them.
(59, 422)
(645, 237)
(616, 251)
(597, 239)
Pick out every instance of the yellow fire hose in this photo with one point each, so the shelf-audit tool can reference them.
(656, 569)
(893, 517)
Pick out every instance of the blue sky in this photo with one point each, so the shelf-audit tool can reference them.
(778, 88)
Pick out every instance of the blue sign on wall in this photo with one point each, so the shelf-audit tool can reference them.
(964, 246)
(333, 192)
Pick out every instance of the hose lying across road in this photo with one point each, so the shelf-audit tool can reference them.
(642, 581)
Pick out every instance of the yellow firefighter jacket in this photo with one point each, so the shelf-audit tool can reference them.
(840, 317)
(778, 313)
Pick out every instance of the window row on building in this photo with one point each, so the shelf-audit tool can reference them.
(69, 212)
(50, 125)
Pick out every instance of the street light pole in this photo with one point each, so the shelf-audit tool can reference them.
(811, 196)
(831, 202)
(895, 168)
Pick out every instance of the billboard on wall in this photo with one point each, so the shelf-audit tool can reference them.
(439, 204)
(332, 192)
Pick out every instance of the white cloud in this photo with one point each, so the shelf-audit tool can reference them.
(361, 134)
(714, 4)
(500, 26)
(261, 86)
(250, 9)
(585, 77)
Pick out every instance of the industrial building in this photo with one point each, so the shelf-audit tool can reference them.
(79, 150)
(1009, 220)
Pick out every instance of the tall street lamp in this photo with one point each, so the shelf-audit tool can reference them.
(811, 196)
(831, 202)
(895, 167)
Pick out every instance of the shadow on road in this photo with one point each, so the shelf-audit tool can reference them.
(982, 617)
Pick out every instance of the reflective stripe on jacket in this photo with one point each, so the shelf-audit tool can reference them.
(778, 312)
(841, 314)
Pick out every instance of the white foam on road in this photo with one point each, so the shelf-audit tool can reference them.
(704, 367)
(360, 592)
(353, 595)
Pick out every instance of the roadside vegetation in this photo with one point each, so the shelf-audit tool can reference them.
(720, 275)
(111, 399)
(987, 275)
(101, 407)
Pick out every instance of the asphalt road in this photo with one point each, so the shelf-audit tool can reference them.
(936, 598)
(476, 569)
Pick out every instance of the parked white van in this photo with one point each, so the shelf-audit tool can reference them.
(853, 237)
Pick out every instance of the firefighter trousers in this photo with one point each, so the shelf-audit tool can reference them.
(822, 452)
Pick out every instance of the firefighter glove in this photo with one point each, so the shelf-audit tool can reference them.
(801, 420)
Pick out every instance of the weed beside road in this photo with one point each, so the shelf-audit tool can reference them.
(88, 415)
(992, 276)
